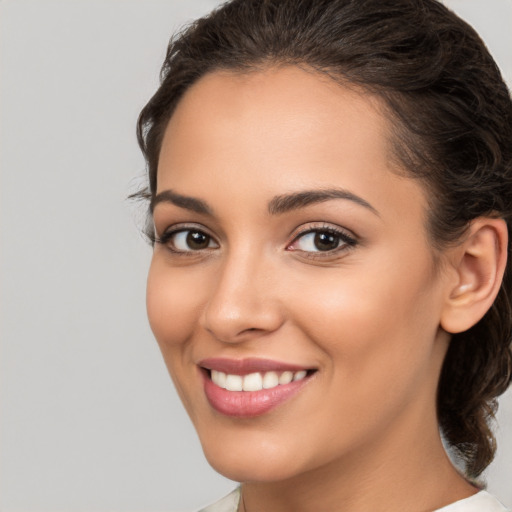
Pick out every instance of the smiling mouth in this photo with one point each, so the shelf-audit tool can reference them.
(251, 387)
(256, 381)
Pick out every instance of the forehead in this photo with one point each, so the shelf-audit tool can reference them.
(278, 130)
(276, 107)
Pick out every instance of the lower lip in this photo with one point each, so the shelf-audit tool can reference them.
(248, 404)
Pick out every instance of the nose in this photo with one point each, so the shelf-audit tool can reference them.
(243, 303)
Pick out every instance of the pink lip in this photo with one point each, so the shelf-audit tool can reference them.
(249, 365)
(248, 404)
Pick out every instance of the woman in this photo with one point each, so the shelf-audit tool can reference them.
(330, 187)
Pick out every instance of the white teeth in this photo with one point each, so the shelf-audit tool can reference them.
(300, 375)
(286, 378)
(270, 380)
(255, 381)
(219, 378)
(234, 382)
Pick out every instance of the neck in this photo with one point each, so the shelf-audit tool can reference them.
(395, 473)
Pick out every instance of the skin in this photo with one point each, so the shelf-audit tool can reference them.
(363, 431)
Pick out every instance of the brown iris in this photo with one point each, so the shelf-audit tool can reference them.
(325, 241)
(197, 240)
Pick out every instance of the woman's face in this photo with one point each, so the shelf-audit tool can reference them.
(290, 249)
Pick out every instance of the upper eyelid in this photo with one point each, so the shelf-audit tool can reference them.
(348, 238)
(303, 229)
(322, 226)
(185, 226)
(174, 229)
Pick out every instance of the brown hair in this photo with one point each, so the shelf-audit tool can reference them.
(452, 118)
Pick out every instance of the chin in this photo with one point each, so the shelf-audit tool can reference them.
(251, 462)
(251, 471)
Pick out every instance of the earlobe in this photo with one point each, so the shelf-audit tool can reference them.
(479, 265)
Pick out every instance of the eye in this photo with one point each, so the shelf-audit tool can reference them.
(322, 240)
(187, 240)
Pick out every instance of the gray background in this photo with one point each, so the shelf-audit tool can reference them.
(88, 416)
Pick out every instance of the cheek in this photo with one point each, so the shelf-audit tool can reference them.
(378, 344)
(382, 320)
(172, 304)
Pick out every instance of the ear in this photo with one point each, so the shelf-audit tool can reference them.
(479, 263)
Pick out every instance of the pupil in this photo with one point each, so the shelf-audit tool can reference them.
(197, 240)
(326, 241)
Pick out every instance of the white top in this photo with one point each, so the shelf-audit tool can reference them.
(479, 502)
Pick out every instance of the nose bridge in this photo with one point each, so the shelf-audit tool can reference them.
(242, 302)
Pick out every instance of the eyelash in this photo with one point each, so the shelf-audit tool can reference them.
(346, 241)
(166, 237)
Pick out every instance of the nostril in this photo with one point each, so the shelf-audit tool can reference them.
(233, 321)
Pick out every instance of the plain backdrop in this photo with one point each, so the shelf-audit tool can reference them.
(89, 420)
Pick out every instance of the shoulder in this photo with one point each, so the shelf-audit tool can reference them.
(227, 504)
(479, 502)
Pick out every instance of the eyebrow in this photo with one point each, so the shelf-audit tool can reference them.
(294, 201)
(276, 206)
(186, 202)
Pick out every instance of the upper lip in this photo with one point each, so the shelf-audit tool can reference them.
(248, 365)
